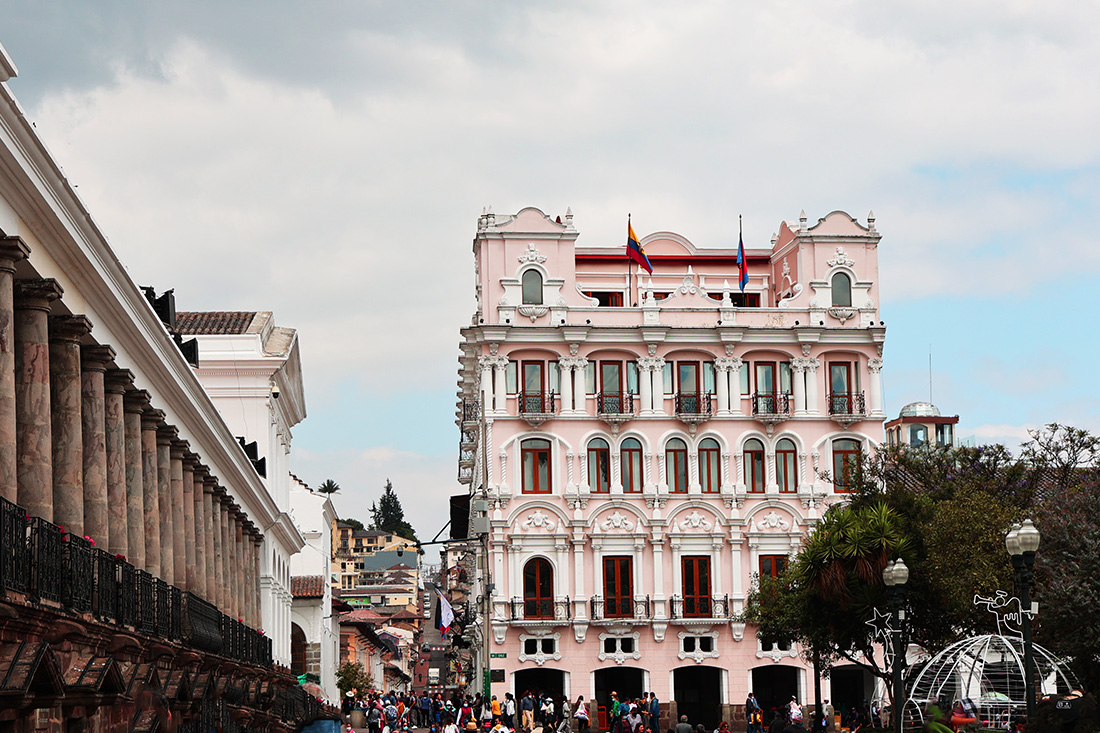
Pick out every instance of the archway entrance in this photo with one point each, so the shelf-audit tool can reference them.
(297, 649)
(774, 686)
(626, 681)
(546, 681)
(698, 694)
(851, 685)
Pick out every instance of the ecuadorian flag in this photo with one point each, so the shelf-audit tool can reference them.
(634, 249)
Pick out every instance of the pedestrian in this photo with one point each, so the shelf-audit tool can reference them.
(581, 714)
(654, 711)
(496, 708)
(683, 726)
(527, 708)
(829, 712)
(509, 710)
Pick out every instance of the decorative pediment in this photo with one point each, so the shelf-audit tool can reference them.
(539, 519)
(771, 521)
(616, 521)
(695, 521)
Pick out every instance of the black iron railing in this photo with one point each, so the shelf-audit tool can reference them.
(601, 608)
(717, 607)
(615, 403)
(13, 546)
(47, 559)
(847, 403)
(771, 403)
(471, 410)
(538, 403)
(51, 566)
(694, 404)
(541, 609)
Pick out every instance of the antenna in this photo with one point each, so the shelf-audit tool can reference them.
(930, 374)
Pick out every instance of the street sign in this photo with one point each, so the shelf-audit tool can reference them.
(498, 655)
(485, 687)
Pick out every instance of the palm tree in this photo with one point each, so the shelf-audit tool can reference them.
(328, 486)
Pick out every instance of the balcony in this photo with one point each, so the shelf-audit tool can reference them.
(702, 608)
(541, 611)
(471, 410)
(615, 408)
(66, 573)
(694, 407)
(771, 408)
(536, 407)
(846, 408)
(619, 609)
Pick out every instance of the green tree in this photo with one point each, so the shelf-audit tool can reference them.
(351, 676)
(388, 516)
(352, 522)
(328, 486)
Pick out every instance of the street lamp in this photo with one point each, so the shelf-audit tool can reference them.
(1021, 542)
(896, 575)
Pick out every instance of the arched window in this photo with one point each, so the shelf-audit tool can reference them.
(754, 466)
(918, 434)
(845, 463)
(710, 471)
(630, 453)
(297, 649)
(786, 470)
(599, 466)
(676, 466)
(532, 288)
(842, 290)
(538, 589)
(535, 457)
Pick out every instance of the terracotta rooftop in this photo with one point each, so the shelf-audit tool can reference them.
(307, 586)
(362, 615)
(219, 323)
(404, 615)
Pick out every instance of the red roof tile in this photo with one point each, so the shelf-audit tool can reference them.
(307, 586)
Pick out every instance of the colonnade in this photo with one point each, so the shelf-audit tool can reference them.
(82, 446)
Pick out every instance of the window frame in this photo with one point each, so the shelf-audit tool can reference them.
(787, 479)
(681, 455)
(527, 451)
(533, 587)
(847, 290)
(532, 298)
(845, 461)
(696, 568)
(620, 570)
(602, 461)
(774, 562)
(750, 474)
(710, 484)
(627, 469)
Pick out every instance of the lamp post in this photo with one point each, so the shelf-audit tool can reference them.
(1022, 541)
(896, 575)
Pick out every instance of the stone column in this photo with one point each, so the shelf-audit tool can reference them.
(227, 558)
(813, 405)
(67, 441)
(874, 386)
(12, 249)
(486, 365)
(257, 546)
(93, 407)
(166, 434)
(134, 404)
(179, 528)
(580, 389)
(735, 385)
(150, 419)
(115, 382)
(199, 473)
(237, 533)
(565, 374)
(212, 501)
(34, 452)
(500, 384)
(645, 386)
(191, 565)
(658, 382)
(798, 380)
(722, 384)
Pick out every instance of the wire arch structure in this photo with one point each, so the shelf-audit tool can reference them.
(989, 671)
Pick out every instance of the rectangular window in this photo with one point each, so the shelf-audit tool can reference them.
(632, 377)
(666, 377)
(533, 398)
(785, 377)
(772, 566)
(687, 376)
(611, 387)
(754, 471)
(631, 467)
(696, 585)
(944, 434)
(607, 299)
(589, 379)
(535, 457)
(710, 476)
(786, 471)
(744, 374)
(510, 377)
(553, 375)
(618, 587)
(708, 377)
(765, 377)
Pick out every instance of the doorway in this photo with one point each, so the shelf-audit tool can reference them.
(698, 694)
(545, 681)
(774, 686)
(626, 681)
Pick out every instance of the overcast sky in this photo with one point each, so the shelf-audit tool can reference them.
(328, 161)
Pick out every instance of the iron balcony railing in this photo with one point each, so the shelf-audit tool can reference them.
(771, 403)
(615, 403)
(601, 608)
(541, 609)
(471, 410)
(537, 403)
(694, 404)
(54, 568)
(716, 607)
(847, 403)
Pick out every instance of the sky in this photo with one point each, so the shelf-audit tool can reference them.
(328, 161)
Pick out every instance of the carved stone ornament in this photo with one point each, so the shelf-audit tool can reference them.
(738, 630)
(840, 313)
(533, 311)
(652, 349)
(531, 255)
(619, 656)
(580, 631)
(540, 519)
(540, 657)
(729, 349)
(659, 628)
(776, 320)
(805, 349)
(695, 520)
(841, 258)
(698, 655)
(773, 521)
(617, 521)
(776, 653)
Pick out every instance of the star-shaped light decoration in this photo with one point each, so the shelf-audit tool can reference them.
(880, 622)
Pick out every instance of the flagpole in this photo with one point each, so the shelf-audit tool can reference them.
(629, 269)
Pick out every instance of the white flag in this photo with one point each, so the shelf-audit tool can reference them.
(446, 614)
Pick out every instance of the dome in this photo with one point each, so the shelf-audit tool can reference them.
(920, 409)
(989, 671)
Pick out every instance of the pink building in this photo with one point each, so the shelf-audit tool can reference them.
(646, 444)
